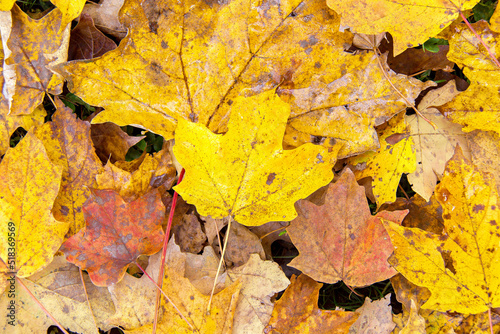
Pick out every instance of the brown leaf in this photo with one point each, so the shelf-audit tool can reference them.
(241, 244)
(374, 317)
(87, 41)
(341, 240)
(414, 61)
(117, 233)
(105, 16)
(111, 142)
(297, 311)
(189, 234)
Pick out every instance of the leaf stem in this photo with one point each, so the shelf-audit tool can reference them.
(495, 61)
(88, 301)
(220, 264)
(489, 318)
(41, 305)
(161, 273)
(164, 294)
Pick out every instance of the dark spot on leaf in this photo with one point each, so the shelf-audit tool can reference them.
(193, 117)
(492, 222)
(270, 178)
(308, 51)
(303, 44)
(447, 216)
(317, 139)
(320, 158)
(164, 44)
(493, 207)
(448, 261)
(230, 102)
(293, 14)
(191, 297)
(481, 109)
(459, 289)
(64, 210)
(317, 64)
(352, 236)
(153, 26)
(332, 141)
(253, 144)
(477, 208)
(349, 226)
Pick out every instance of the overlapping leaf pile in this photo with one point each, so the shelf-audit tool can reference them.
(279, 119)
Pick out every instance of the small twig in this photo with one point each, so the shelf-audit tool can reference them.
(352, 290)
(41, 306)
(165, 295)
(88, 301)
(491, 322)
(495, 61)
(404, 192)
(220, 264)
(164, 252)
(276, 230)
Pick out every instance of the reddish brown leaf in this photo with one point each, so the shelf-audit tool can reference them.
(416, 60)
(297, 311)
(117, 233)
(87, 41)
(341, 240)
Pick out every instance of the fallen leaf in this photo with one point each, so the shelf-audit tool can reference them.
(375, 316)
(70, 9)
(151, 173)
(443, 263)
(290, 47)
(87, 41)
(133, 298)
(29, 184)
(341, 240)
(117, 232)
(413, 61)
(6, 5)
(111, 142)
(422, 18)
(105, 16)
(297, 311)
(477, 107)
(244, 173)
(27, 57)
(189, 234)
(389, 162)
(485, 150)
(434, 146)
(59, 288)
(201, 270)
(240, 245)
(260, 280)
(416, 323)
(67, 141)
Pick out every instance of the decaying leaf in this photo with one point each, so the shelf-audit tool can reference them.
(67, 141)
(434, 146)
(59, 288)
(444, 263)
(477, 107)
(297, 311)
(386, 165)
(111, 142)
(341, 240)
(117, 232)
(26, 73)
(87, 41)
(29, 184)
(410, 22)
(245, 173)
(374, 317)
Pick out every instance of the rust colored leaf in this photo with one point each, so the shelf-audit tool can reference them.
(341, 240)
(111, 142)
(87, 41)
(117, 232)
(413, 61)
(297, 311)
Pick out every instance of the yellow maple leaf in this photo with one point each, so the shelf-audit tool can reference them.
(6, 4)
(477, 107)
(391, 160)
(246, 173)
(410, 22)
(29, 184)
(166, 70)
(28, 57)
(462, 267)
(70, 9)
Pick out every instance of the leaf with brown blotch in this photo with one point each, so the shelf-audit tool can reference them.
(297, 311)
(375, 316)
(422, 18)
(87, 41)
(434, 146)
(117, 232)
(59, 288)
(459, 267)
(29, 184)
(26, 69)
(341, 240)
(289, 46)
(68, 144)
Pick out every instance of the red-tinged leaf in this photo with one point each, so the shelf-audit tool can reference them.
(341, 240)
(117, 232)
